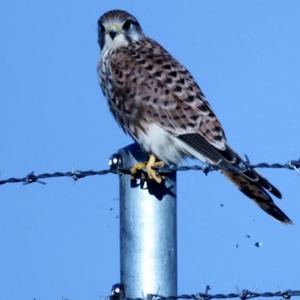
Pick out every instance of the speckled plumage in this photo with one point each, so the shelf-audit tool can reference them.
(157, 101)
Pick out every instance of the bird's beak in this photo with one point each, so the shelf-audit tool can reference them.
(112, 34)
(114, 29)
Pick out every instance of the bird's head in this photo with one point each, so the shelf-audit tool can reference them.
(118, 28)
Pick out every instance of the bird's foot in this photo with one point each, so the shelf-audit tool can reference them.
(152, 173)
(149, 166)
(136, 168)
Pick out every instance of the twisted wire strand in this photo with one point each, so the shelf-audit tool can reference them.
(117, 293)
(244, 295)
(79, 174)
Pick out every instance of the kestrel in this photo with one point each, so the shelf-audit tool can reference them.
(157, 101)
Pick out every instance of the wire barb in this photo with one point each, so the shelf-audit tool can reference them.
(116, 169)
(294, 164)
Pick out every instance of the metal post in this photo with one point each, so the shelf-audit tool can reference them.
(148, 248)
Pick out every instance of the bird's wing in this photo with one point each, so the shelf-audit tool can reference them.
(168, 96)
(163, 92)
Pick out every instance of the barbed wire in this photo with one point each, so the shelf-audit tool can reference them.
(116, 169)
(117, 293)
(245, 294)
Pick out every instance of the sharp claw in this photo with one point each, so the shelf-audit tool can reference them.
(156, 177)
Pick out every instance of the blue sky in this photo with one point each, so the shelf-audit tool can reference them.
(61, 240)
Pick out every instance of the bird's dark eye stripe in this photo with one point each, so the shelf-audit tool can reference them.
(127, 24)
(100, 25)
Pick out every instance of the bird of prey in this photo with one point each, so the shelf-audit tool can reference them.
(158, 103)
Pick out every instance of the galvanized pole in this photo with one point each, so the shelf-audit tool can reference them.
(148, 248)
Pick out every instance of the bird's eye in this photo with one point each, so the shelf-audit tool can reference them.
(127, 25)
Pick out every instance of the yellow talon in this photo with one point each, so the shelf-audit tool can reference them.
(152, 174)
(138, 167)
(152, 163)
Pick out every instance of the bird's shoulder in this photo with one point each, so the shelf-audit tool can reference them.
(150, 65)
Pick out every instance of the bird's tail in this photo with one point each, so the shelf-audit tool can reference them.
(255, 187)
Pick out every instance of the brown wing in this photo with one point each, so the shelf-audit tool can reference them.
(152, 86)
(165, 92)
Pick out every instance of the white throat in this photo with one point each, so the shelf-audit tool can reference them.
(117, 42)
